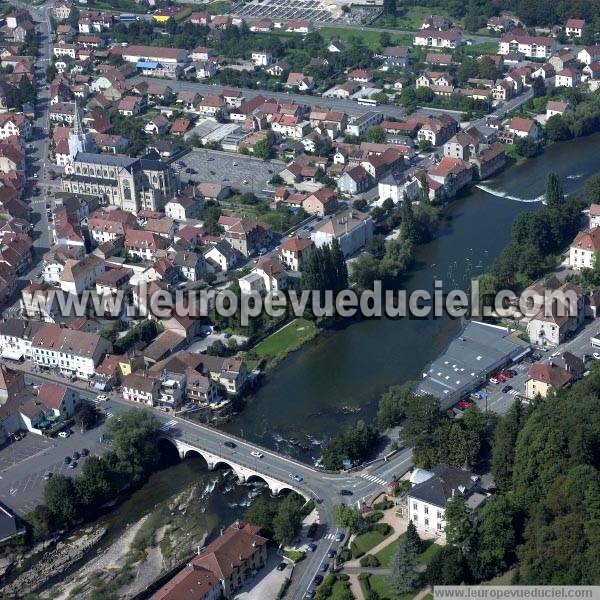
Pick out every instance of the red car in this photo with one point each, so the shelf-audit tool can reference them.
(463, 404)
(506, 374)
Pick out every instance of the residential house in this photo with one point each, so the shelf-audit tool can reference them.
(453, 173)
(16, 337)
(144, 244)
(320, 203)
(220, 256)
(582, 251)
(80, 275)
(434, 38)
(574, 27)
(544, 378)
(556, 107)
(248, 235)
(432, 491)
(294, 252)
(524, 128)
(568, 77)
(354, 181)
(140, 388)
(352, 230)
(589, 54)
(530, 46)
(60, 400)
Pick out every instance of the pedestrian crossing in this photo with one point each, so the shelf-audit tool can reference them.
(109, 415)
(166, 426)
(374, 479)
(329, 536)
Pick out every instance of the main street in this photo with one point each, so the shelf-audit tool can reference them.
(349, 106)
(22, 483)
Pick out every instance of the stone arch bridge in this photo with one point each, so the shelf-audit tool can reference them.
(244, 472)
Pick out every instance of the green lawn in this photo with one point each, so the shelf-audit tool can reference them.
(429, 552)
(285, 340)
(365, 541)
(369, 38)
(386, 553)
(380, 585)
(220, 7)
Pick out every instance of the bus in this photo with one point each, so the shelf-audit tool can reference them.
(367, 102)
(128, 18)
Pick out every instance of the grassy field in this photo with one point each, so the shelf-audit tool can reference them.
(365, 541)
(220, 7)
(285, 340)
(368, 37)
(380, 585)
(386, 553)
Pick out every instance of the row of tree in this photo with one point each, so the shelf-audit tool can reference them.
(133, 457)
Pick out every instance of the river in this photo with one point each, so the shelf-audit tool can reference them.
(339, 377)
(306, 398)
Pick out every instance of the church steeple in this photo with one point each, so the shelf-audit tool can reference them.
(77, 126)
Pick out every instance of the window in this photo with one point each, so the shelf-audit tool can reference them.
(439, 526)
(426, 522)
(426, 510)
(415, 506)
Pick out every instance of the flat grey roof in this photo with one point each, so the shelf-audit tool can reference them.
(478, 349)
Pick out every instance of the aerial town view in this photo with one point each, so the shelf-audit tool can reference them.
(299, 299)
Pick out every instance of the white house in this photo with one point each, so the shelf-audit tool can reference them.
(434, 38)
(352, 230)
(530, 46)
(582, 251)
(431, 492)
(139, 388)
(262, 59)
(589, 54)
(574, 27)
(16, 336)
(72, 352)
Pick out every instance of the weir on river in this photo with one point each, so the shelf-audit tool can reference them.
(304, 400)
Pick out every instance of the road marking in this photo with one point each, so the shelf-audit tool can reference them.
(166, 426)
(373, 478)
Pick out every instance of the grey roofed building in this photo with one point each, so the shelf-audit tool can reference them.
(110, 160)
(10, 524)
(19, 328)
(444, 483)
(477, 351)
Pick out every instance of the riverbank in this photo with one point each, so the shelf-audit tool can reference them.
(303, 397)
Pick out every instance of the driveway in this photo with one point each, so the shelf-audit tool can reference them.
(203, 344)
(268, 582)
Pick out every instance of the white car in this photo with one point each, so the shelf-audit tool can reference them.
(257, 454)
(102, 398)
(63, 434)
(596, 355)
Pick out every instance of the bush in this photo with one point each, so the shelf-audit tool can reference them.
(374, 516)
(356, 553)
(295, 555)
(369, 561)
(363, 576)
(383, 504)
(382, 528)
(345, 554)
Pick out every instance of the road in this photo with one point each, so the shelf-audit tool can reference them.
(348, 106)
(21, 484)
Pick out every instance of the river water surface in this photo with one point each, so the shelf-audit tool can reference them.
(338, 377)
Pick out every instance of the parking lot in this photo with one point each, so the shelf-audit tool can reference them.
(243, 173)
(24, 464)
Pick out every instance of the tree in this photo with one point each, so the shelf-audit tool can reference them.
(423, 416)
(87, 415)
(591, 189)
(413, 537)
(51, 73)
(557, 129)
(385, 39)
(287, 521)
(539, 87)
(376, 246)
(554, 191)
(408, 229)
(375, 134)
(392, 405)
(134, 436)
(389, 8)
(447, 567)
(263, 149)
(459, 528)
(494, 539)
(503, 456)
(403, 567)
(60, 498)
(526, 147)
(94, 485)
(261, 512)
(348, 516)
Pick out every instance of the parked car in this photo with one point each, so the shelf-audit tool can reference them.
(76, 455)
(494, 380)
(596, 355)
(73, 465)
(324, 567)
(311, 547)
(47, 476)
(339, 537)
(310, 594)
(67, 460)
(318, 580)
(84, 452)
(506, 389)
(331, 553)
(463, 404)
(281, 566)
(102, 398)
(229, 444)
(63, 434)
